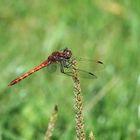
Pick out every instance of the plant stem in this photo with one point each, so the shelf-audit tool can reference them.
(80, 132)
(51, 124)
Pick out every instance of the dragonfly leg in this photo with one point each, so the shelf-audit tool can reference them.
(66, 63)
(69, 73)
(61, 67)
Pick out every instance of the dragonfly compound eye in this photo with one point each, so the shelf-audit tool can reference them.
(67, 53)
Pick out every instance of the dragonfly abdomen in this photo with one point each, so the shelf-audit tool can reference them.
(28, 73)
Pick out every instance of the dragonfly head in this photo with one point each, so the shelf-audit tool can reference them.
(67, 53)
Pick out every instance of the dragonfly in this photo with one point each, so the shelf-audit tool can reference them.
(64, 58)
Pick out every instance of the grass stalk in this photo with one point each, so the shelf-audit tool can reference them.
(51, 124)
(78, 107)
(91, 136)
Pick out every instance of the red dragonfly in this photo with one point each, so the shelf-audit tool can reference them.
(62, 57)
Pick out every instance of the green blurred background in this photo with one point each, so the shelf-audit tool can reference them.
(106, 30)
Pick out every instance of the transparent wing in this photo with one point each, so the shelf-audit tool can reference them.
(89, 68)
(86, 69)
